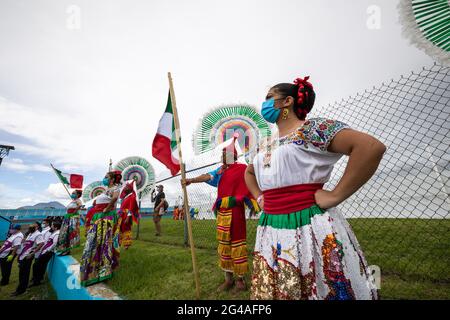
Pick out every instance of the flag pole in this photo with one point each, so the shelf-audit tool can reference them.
(183, 177)
(54, 170)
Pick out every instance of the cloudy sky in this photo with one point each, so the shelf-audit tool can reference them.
(85, 81)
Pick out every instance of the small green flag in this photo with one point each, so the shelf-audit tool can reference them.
(62, 177)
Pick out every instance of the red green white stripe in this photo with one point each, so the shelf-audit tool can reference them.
(165, 147)
(72, 180)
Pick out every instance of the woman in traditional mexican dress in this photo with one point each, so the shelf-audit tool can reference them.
(69, 234)
(305, 249)
(101, 252)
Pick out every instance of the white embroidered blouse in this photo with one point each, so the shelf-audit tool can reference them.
(106, 196)
(300, 157)
(74, 204)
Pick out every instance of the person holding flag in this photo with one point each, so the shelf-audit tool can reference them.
(128, 212)
(232, 197)
(69, 235)
(101, 252)
(70, 228)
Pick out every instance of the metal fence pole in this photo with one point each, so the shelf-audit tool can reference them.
(139, 222)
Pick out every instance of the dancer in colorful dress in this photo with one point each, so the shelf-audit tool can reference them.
(232, 197)
(305, 249)
(101, 251)
(128, 212)
(69, 235)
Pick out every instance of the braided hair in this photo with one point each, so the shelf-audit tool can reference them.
(303, 93)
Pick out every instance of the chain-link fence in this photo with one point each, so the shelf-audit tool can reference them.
(401, 216)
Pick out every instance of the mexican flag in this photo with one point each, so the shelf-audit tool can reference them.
(165, 147)
(74, 181)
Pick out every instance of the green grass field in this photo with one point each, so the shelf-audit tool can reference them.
(413, 256)
(43, 292)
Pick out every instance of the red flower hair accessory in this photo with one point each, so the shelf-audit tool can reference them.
(302, 94)
(117, 175)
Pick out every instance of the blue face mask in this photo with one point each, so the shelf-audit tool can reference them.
(269, 112)
(73, 196)
(105, 181)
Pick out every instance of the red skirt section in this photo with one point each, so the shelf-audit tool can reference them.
(95, 209)
(290, 199)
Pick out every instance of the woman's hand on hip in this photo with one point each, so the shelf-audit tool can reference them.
(260, 201)
(326, 199)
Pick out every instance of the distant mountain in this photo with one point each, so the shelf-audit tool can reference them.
(48, 205)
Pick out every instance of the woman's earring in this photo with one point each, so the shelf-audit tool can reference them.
(285, 113)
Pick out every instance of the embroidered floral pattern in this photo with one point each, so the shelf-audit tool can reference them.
(317, 132)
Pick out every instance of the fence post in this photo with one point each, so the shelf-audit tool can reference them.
(438, 174)
(139, 221)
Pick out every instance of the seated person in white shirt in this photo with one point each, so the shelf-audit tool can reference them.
(8, 253)
(40, 264)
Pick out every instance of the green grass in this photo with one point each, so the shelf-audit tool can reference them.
(43, 292)
(413, 254)
(153, 269)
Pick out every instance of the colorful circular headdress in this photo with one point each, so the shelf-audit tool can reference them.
(93, 190)
(140, 170)
(222, 123)
(427, 24)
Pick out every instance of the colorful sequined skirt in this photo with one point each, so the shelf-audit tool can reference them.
(101, 252)
(310, 254)
(69, 235)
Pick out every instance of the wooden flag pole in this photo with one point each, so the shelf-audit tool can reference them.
(185, 195)
(54, 170)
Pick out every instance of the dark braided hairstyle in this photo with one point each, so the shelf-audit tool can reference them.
(303, 93)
